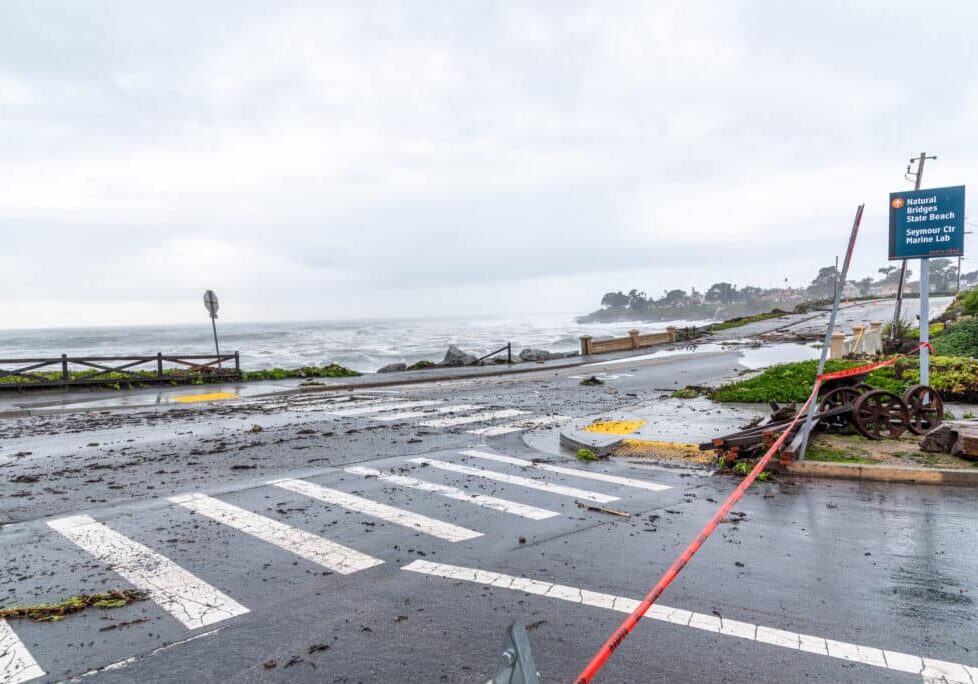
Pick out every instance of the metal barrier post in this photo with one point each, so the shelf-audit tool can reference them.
(516, 664)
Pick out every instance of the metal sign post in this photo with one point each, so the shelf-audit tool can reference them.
(211, 304)
(806, 429)
(926, 224)
(924, 321)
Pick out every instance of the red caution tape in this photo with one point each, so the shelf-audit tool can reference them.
(862, 370)
(626, 627)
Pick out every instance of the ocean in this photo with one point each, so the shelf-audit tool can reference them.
(361, 345)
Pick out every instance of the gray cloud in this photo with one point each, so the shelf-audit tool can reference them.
(401, 151)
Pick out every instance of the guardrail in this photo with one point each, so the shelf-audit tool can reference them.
(66, 371)
(635, 340)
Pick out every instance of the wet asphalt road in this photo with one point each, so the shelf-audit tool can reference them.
(817, 581)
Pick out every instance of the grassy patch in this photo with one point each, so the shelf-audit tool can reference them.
(586, 455)
(830, 454)
(685, 393)
(423, 364)
(956, 378)
(333, 370)
(960, 339)
(744, 320)
(174, 376)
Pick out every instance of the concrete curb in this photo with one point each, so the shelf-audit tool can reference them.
(600, 443)
(883, 473)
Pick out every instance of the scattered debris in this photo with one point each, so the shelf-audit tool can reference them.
(587, 455)
(270, 664)
(603, 509)
(55, 612)
(255, 428)
(958, 438)
(127, 623)
(25, 479)
(591, 381)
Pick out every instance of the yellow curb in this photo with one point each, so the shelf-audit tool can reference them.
(615, 427)
(672, 451)
(213, 396)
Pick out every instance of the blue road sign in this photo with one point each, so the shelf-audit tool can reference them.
(927, 223)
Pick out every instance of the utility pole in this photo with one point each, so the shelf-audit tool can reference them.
(917, 178)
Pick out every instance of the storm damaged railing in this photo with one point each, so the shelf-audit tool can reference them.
(509, 354)
(65, 371)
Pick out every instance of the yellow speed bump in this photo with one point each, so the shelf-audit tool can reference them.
(615, 427)
(213, 396)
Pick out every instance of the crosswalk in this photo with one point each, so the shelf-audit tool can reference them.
(458, 479)
(475, 419)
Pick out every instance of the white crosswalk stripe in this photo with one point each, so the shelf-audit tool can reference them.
(931, 669)
(455, 408)
(519, 426)
(397, 516)
(587, 474)
(517, 480)
(189, 599)
(495, 503)
(380, 406)
(475, 418)
(16, 662)
(334, 556)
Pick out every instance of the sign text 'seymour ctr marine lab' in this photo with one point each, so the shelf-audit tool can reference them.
(927, 223)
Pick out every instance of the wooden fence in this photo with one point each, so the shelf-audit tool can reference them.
(65, 371)
(635, 340)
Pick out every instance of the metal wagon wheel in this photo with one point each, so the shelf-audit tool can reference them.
(838, 398)
(863, 387)
(880, 415)
(925, 407)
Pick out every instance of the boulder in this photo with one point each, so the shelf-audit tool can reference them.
(538, 355)
(456, 357)
(393, 368)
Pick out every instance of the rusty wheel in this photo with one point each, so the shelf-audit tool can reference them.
(925, 408)
(837, 398)
(880, 415)
(862, 388)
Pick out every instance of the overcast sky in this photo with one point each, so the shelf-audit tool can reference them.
(373, 159)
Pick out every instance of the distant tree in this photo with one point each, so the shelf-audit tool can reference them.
(751, 293)
(720, 293)
(637, 301)
(823, 286)
(891, 274)
(943, 275)
(864, 285)
(674, 298)
(614, 300)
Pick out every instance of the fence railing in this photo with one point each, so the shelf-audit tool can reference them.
(509, 354)
(67, 370)
(635, 340)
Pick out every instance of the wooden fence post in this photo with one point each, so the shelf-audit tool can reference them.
(671, 329)
(64, 367)
(159, 364)
(633, 337)
(237, 363)
(585, 345)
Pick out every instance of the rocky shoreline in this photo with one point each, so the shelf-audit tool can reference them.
(456, 357)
